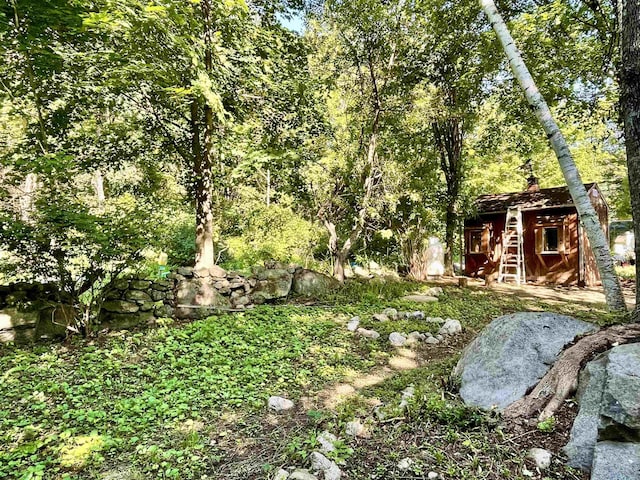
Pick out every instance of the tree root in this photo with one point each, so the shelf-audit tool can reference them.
(561, 380)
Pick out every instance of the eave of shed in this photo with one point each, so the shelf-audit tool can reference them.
(556, 197)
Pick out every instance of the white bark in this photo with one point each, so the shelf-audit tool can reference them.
(98, 185)
(586, 212)
(27, 196)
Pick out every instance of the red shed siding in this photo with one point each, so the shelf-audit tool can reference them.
(572, 264)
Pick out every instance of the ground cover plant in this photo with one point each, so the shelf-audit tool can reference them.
(183, 401)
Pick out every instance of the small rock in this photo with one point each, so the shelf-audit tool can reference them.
(280, 404)
(431, 340)
(434, 319)
(353, 324)
(241, 301)
(435, 291)
(302, 474)
(541, 457)
(432, 475)
(363, 332)
(407, 394)
(417, 336)
(439, 337)
(420, 298)
(141, 284)
(397, 339)
(356, 429)
(418, 315)
(185, 271)
(390, 312)
(450, 327)
(527, 473)
(405, 464)
(329, 468)
(327, 442)
(380, 317)
(281, 474)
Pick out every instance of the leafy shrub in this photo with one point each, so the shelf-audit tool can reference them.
(273, 233)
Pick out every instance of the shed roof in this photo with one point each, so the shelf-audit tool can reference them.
(544, 198)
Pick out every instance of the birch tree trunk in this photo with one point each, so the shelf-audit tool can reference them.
(586, 212)
(98, 185)
(630, 103)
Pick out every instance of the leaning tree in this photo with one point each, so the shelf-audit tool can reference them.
(588, 216)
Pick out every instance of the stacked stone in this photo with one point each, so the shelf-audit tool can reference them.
(33, 311)
(201, 292)
(135, 301)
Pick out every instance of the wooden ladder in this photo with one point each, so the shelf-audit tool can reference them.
(512, 258)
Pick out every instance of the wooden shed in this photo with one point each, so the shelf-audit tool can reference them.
(555, 249)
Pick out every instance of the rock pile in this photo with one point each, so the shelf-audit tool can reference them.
(135, 301)
(399, 339)
(212, 289)
(33, 311)
(605, 437)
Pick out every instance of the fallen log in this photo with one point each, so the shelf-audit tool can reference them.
(561, 381)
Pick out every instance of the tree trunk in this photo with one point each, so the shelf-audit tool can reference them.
(588, 217)
(630, 105)
(418, 264)
(338, 267)
(338, 255)
(268, 194)
(27, 197)
(562, 380)
(205, 255)
(450, 230)
(98, 184)
(448, 135)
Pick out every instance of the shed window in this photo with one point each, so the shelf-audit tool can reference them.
(550, 239)
(478, 240)
(475, 241)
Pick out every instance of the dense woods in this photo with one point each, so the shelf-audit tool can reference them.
(215, 135)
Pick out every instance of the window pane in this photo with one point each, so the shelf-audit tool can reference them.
(551, 239)
(475, 245)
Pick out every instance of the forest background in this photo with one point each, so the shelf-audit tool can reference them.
(210, 133)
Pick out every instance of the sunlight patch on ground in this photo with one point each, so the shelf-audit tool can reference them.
(371, 379)
(402, 363)
(190, 426)
(79, 450)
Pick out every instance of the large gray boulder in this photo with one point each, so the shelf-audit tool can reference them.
(608, 422)
(621, 396)
(312, 284)
(584, 432)
(271, 284)
(512, 354)
(616, 461)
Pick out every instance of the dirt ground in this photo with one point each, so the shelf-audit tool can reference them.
(588, 296)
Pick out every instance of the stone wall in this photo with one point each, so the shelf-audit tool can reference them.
(33, 312)
(201, 292)
(132, 302)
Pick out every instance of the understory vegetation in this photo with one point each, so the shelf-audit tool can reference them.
(189, 401)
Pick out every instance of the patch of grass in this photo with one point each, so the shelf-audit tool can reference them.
(140, 389)
(628, 272)
(172, 402)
